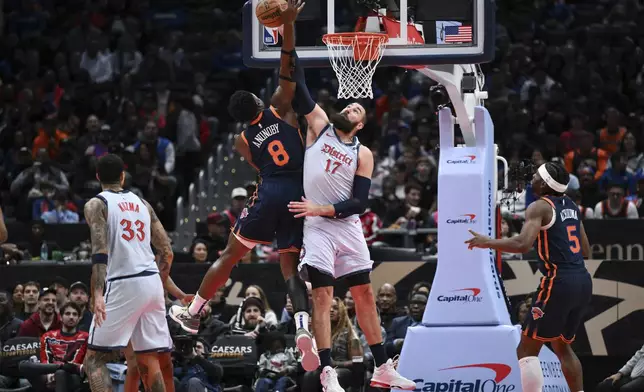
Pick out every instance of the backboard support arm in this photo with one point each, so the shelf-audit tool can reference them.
(464, 102)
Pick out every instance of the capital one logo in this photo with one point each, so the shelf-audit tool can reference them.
(467, 219)
(462, 295)
(465, 160)
(499, 371)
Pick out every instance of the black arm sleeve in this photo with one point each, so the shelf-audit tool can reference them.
(358, 203)
(302, 103)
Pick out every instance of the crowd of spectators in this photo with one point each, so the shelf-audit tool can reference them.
(82, 78)
(57, 320)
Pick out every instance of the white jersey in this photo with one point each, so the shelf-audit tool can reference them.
(330, 168)
(128, 229)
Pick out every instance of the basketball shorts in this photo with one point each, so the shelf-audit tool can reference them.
(266, 216)
(335, 246)
(135, 308)
(559, 306)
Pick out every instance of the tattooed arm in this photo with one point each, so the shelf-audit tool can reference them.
(161, 243)
(95, 214)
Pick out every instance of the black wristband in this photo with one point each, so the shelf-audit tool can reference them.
(99, 258)
(287, 78)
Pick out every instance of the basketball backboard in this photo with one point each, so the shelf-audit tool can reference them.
(443, 32)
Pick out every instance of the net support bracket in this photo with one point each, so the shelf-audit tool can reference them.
(450, 76)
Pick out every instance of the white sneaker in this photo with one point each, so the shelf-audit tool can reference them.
(386, 376)
(329, 380)
(187, 321)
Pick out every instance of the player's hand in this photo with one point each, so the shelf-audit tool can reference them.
(477, 241)
(614, 378)
(304, 208)
(99, 310)
(185, 301)
(294, 8)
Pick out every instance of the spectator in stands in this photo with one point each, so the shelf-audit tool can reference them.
(38, 178)
(196, 373)
(150, 177)
(371, 223)
(411, 210)
(61, 286)
(630, 378)
(9, 324)
(270, 318)
(217, 238)
(618, 174)
(199, 251)
(49, 138)
(45, 319)
(98, 65)
(388, 201)
(421, 287)
(586, 212)
(571, 139)
(165, 152)
(588, 155)
(346, 347)
(634, 158)
(220, 309)
(425, 176)
(9, 327)
(386, 300)
(611, 136)
(79, 294)
(350, 304)
(398, 329)
(238, 201)
(275, 365)
(65, 346)
(188, 146)
(591, 194)
(127, 60)
(616, 206)
(18, 298)
(31, 294)
(61, 212)
(251, 317)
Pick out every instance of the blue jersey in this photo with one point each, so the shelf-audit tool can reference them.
(558, 244)
(276, 147)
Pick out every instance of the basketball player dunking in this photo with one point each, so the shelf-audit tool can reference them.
(132, 309)
(337, 178)
(553, 226)
(272, 143)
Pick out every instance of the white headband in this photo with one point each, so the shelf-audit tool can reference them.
(547, 178)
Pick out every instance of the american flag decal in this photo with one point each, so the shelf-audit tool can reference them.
(458, 34)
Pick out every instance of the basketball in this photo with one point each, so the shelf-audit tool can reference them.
(269, 12)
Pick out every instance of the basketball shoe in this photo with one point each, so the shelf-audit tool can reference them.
(329, 380)
(306, 345)
(187, 321)
(386, 376)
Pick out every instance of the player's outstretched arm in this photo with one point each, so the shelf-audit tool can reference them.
(356, 205)
(161, 242)
(286, 91)
(585, 243)
(518, 244)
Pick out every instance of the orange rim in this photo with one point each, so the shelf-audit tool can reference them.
(366, 46)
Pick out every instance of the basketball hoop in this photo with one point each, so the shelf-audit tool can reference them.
(354, 57)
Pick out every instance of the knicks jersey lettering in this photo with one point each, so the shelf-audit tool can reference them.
(276, 147)
(329, 168)
(128, 227)
(559, 243)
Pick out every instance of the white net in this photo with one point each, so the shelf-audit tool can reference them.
(354, 57)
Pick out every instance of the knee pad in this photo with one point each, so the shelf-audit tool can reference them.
(358, 279)
(318, 278)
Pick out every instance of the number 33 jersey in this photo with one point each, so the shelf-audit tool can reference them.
(276, 147)
(128, 232)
